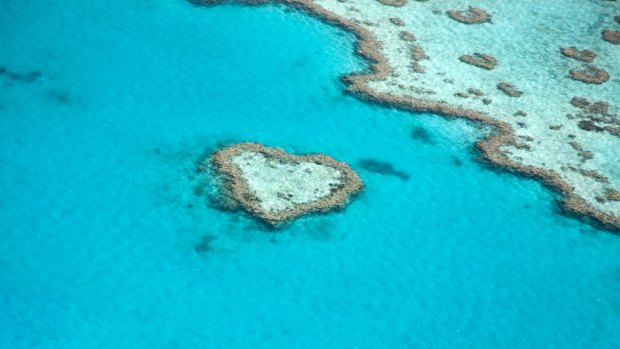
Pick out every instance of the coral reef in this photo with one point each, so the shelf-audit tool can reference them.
(397, 21)
(473, 15)
(611, 36)
(580, 55)
(520, 113)
(595, 116)
(480, 60)
(395, 3)
(475, 91)
(418, 54)
(274, 186)
(508, 89)
(589, 74)
(583, 153)
(406, 36)
(380, 84)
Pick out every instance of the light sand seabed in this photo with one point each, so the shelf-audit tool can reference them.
(536, 133)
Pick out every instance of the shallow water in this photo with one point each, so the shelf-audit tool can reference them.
(107, 244)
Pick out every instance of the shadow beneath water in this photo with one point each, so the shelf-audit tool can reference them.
(420, 134)
(380, 167)
(205, 244)
(26, 77)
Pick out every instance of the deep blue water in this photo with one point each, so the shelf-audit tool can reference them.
(101, 209)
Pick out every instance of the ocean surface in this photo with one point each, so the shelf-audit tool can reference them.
(107, 239)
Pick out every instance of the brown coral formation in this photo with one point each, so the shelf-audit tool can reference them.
(397, 21)
(595, 116)
(475, 91)
(579, 102)
(580, 55)
(613, 195)
(520, 113)
(236, 187)
(473, 15)
(489, 147)
(584, 154)
(406, 36)
(394, 3)
(418, 53)
(589, 125)
(598, 107)
(591, 174)
(416, 67)
(611, 36)
(480, 60)
(508, 89)
(590, 74)
(615, 131)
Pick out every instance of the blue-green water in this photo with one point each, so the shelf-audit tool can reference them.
(100, 219)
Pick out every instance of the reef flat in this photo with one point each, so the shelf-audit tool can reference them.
(505, 65)
(275, 186)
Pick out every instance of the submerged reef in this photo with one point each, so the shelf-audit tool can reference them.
(393, 79)
(589, 74)
(508, 89)
(611, 36)
(406, 36)
(397, 21)
(418, 54)
(595, 116)
(395, 3)
(480, 60)
(580, 55)
(274, 186)
(473, 15)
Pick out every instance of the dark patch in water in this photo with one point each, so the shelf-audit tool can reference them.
(299, 63)
(60, 96)
(381, 167)
(205, 244)
(27, 77)
(420, 134)
(322, 230)
(199, 190)
(457, 162)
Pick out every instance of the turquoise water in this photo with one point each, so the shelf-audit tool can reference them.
(101, 219)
